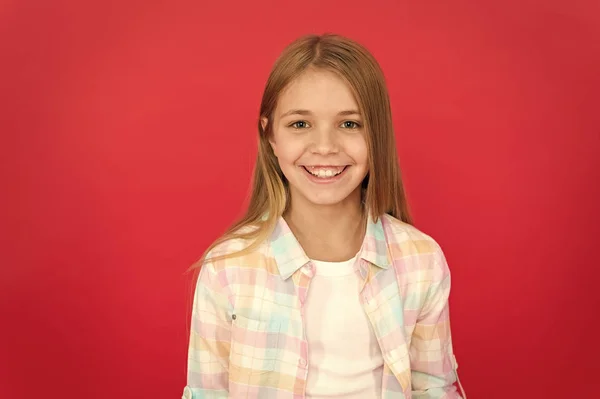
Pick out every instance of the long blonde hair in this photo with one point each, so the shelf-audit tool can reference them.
(383, 191)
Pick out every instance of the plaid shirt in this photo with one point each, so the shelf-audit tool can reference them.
(247, 337)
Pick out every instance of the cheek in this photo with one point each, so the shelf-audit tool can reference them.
(358, 150)
(288, 151)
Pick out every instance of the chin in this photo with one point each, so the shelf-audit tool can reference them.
(326, 202)
(327, 199)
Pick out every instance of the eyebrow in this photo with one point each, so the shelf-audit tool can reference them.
(307, 112)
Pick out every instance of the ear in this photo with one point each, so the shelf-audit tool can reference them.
(264, 121)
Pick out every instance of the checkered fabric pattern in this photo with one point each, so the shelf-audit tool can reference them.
(247, 337)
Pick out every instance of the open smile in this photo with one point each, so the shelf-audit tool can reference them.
(325, 174)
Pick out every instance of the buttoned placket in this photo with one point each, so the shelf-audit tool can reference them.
(307, 272)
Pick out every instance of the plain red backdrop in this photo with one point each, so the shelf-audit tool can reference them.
(128, 135)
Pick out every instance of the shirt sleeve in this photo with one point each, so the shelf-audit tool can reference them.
(433, 365)
(208, 352)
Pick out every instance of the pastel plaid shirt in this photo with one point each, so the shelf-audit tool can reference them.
(247, 333)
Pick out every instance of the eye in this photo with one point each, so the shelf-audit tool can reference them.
(299, 125)
(351, 125)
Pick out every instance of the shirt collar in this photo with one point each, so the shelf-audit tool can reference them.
(290, 256)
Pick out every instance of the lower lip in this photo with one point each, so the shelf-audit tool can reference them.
(325, 180)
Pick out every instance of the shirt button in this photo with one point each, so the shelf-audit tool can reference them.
(302, 362)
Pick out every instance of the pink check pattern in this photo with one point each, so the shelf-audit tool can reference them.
(247, 337)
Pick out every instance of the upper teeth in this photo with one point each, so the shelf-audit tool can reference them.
(324, 172)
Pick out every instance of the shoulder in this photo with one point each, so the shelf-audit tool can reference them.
(242, 248)
(413, 250)
(408, 236)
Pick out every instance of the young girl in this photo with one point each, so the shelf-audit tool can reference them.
(323, 289)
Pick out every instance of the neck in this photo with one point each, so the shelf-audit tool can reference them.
(329, 233)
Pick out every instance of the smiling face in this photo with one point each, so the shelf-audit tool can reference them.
(319, 140)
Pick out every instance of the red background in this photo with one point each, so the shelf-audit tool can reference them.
(128, 134)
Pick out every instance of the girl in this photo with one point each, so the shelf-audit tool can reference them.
(323, 289)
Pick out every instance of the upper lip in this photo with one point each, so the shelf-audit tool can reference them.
(323, 166)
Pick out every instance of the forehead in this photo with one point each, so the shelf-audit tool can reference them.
(319, 91)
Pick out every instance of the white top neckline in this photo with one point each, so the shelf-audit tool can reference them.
(335, 269)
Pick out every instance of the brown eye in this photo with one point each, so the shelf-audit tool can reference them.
(299, 125)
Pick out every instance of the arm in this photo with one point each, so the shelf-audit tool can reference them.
(208, 354)
(433, 365)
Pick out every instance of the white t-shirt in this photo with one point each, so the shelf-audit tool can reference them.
(345, 360)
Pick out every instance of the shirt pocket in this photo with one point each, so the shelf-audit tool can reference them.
(254, 345)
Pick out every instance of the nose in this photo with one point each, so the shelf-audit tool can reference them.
(324, 141)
